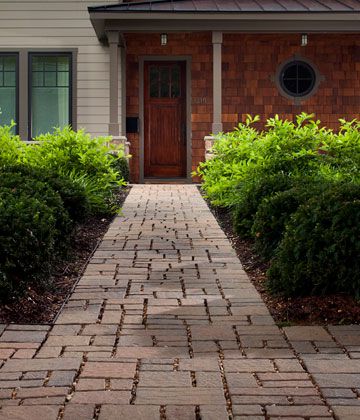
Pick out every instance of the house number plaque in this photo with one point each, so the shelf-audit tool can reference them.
(199, 100)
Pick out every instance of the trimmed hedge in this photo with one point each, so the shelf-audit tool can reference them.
(22, 185)
(321, 247)
(251, 195)
(27, 241)
(45, 190)
(274, 212)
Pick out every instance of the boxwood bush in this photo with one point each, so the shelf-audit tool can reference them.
(45, 189)
(320, 249)
(27, 241)
(274, 212)
(22, 185)
(250, 196)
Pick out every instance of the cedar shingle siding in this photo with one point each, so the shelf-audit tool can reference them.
(249, 64)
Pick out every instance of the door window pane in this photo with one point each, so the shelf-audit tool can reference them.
(175, 82)
(164, 82)
(8, 89)
(154, 82)
(50, 93)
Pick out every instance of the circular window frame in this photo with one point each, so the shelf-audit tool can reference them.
(297, 99)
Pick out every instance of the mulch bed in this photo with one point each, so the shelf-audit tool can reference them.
(39, 306)
(313, 310)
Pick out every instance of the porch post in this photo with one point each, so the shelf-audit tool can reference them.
(113, 38)
(123, 137)
(217, 39)
(217, 127)
(123, 89)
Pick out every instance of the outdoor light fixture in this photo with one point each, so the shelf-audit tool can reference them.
(164, 39)
(304, 40)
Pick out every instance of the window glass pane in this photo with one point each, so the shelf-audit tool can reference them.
(304, 86)
(10, 63)
(50, 63)
(298, 78)
(7, 105)
(154, 82)
(50, 94)
(304, 72)
(8, 91)
(38, 78)
(175, 82)
(37, 64)
(291, 86)
(50, 79)
(49, 109)
(164, 82)
(10, 79)
(63, 79)
(291, 72)
(63, 64)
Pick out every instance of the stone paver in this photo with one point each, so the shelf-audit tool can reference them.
(165, 324)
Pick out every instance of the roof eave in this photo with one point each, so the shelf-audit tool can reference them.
(227, 22)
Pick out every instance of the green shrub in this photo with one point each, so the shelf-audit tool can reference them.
(320, 250)
(21, 184)
(73, 195)
(27, 241)
(343, 149)
(121, 165)
(87, 162)
(275, 211)
(12, 149)
(246, 153)
(251, 194)
(234, 154)
(44, 189)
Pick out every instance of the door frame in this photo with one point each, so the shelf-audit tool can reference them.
(187, 60)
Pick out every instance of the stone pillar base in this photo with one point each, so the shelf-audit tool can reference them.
(123, 141)
(209, 143)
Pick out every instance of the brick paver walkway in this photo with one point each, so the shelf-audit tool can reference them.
(165, 324)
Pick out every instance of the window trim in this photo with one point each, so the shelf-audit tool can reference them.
(23, 100)
(305, 65)
(17, 79)
(298, 100)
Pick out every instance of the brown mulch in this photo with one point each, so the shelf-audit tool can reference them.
(316, 310)
(40, 306)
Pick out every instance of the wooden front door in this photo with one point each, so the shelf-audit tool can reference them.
(165, 119)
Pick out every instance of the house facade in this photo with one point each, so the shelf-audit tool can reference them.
(162, 76)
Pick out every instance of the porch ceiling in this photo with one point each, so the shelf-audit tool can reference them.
(228, 16)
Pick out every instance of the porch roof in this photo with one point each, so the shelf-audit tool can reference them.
(228, 16)
(218, 6)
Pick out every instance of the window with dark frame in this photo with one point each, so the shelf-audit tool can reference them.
(50, 92)
(297, 79)
(165, 81)
(9, 89)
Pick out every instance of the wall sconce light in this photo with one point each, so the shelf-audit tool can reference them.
(164, 39)
(304, 40)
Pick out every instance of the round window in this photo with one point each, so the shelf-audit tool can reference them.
(297, 78)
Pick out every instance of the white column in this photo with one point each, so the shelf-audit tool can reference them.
(113, 38)
(123, 89)
(217, 39)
